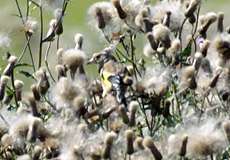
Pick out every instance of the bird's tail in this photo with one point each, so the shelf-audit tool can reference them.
(119, 88)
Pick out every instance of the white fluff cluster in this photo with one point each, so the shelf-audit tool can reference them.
(5, 41)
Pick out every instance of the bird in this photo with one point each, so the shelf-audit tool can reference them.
(112, 73)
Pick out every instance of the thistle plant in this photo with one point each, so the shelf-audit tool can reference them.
(168, 99)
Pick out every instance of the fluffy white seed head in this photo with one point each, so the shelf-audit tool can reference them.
(192, 7)
(53, 23)
(175, 46)
(73, 58)
(58, 14)
(7, 140)
(162, 34)
(138, 143)
(18, 84)
(149, 144)
(4, 79)
(78, 39)
(12, 59)
(24, 157)
(5, 40)
(31, 25)
(226, 126)
(133, 106)
(102, 13)
(108, 141)
(60, 53)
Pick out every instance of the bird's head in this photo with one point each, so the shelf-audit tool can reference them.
(102, 57)
(97, 58)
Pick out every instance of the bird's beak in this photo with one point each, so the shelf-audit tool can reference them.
(90, 61)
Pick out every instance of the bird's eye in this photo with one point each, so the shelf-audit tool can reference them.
(97, 57)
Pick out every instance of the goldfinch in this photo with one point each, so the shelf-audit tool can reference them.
(112, 74)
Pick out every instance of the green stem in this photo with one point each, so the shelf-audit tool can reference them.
(46, 61)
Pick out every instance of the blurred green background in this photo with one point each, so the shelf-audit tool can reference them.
(75, 21)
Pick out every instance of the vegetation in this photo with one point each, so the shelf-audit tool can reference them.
(169, 100)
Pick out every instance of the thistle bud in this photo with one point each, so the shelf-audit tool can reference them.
(9, 68)
(78, 39)
(34, 127)
(174, 49)
(149, 144)
(222, 47)
(183, 148)
(37, 152)
(8, 155)
(198, 60)
(226, 126)
(79, 106)
(3, 82)
(18, 89)
(61, 71)
(220, 23)
(6, 140)
(33, 106)
(129, 142)
(192, 7)
(166, 20)
(106, 153)
(148, 26)
(143, 21)
(192, 19)
(214, 80)
(138, 143)
(59, 28)
(204, 47)
(152, 41)
(100, 18)
(206, 22)
(188, 78)
(123, 114)
(43, 82)
(161, 34)
(35, 92)
(119, 9)
(133, 106)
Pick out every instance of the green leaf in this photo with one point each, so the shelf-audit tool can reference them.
(26, 74)
(9, 91)
(187, 51)
(23, 65)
